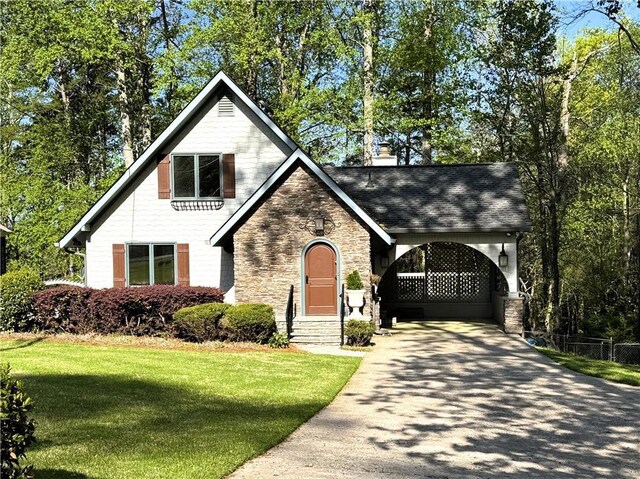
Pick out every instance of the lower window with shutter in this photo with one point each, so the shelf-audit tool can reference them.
(151, 263)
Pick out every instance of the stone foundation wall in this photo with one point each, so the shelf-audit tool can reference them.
(268, 246)
(513, 315)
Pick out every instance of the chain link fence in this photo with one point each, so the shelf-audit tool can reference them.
(627, 353)
(592, 348)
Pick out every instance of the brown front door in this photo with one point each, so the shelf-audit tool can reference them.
(321, 282)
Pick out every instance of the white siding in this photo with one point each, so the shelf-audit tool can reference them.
(139, 216)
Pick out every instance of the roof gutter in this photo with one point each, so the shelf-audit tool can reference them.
(517, 229)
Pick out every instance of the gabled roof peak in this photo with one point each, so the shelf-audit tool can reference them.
(298, 155)
(220, 80)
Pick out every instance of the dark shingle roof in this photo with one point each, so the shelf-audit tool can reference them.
(460, 198)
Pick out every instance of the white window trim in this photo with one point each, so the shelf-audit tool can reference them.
(196, 168)
(151, 257)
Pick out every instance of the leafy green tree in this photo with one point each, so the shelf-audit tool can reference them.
(519, 108)
(602, 232)
(424, 86)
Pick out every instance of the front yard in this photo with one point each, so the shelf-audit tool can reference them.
(130, 412)
(620, 373)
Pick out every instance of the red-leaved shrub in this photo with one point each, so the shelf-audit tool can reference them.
(145, 310)
(62, 309)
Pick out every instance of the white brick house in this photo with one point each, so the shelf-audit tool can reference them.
(223, 197)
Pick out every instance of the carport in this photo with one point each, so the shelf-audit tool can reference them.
(452, 279)
(466, 219)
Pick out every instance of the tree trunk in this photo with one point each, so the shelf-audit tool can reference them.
(554, 249)
(145, 85)
(252, 64)
(167, 46)
(428, 78)
(125, 121)
(407, 149)
(635, 247)
(565, 115)
(368, 82)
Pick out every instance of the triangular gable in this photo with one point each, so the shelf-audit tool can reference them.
(230, 225)
(156, 147)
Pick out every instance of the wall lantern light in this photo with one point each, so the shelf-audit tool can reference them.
(318, 222)
(503, 258)
(384, 261)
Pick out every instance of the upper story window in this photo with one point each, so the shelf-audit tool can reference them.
(197, 176)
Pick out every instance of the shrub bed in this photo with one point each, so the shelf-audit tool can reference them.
(254, 322)
(16, 290)
(359, 333)
(147, 310)
(193, 313)
(199, 323)
(16, 426)
(61, 310)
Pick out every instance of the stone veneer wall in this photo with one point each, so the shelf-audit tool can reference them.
(508, 312)
(513, 315)
(268, 246)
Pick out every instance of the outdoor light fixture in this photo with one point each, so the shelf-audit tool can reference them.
(503, 259)
(384, 261)
(318, 223)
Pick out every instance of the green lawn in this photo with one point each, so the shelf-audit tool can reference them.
(620, 373)
(127, 412)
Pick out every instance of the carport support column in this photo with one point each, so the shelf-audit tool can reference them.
(513, 314)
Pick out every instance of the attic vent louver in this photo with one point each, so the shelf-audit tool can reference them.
(225, 105)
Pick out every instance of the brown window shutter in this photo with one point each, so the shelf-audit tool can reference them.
(183, 264)
(164, 178)
(229, 175)
(119, 275)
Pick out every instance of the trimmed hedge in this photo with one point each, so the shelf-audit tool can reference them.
(62, 309)
(199, 323)
(16, 290)
(147, 310)
(190, 313)
(16, 426)
(255, 322)
(358, 332)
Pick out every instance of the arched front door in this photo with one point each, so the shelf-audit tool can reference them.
(321, 280)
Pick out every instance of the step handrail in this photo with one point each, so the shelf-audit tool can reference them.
(342, 308)
(290, 313)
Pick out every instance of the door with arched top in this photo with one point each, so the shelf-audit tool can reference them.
(321, 280)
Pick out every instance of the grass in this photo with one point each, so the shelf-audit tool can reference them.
(620, 373)
(361, 349)
(132, 412)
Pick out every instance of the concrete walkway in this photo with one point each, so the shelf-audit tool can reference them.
(462, 400)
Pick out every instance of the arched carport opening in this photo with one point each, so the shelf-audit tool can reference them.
(439, 280)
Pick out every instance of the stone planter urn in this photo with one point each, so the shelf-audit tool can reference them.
(355, 300)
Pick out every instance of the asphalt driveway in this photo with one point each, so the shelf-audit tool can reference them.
(463, 400)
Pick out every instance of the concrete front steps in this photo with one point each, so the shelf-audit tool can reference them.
(323, 330)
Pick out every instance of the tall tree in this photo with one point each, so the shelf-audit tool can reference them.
(82, 73)
(368, 40)
(601, 265)
(423, 87)
(521, 101)
(283, 54)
